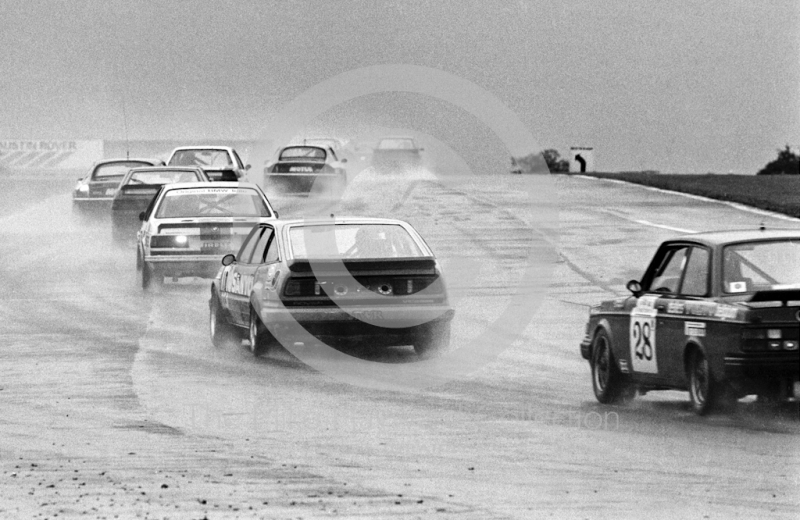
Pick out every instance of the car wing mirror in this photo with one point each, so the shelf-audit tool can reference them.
(634, 287)
(141, 216)
(228, 259)
(246, 167)
(344, 159)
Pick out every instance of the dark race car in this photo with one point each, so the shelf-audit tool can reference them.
(717, 314)
(189, 227)
(137, 189)
(95, 192)
(370, 282)
(397, 155)
(297, 168)
(221, 163)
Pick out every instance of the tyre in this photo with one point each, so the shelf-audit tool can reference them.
(609, 384)
(432, 339)
(148, 278)
(704, 393)
(221, 331)
(261, 339)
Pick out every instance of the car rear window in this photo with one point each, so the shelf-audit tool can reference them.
(212, 202)
(163, 177)
(759, 266)
(208, 159)
(108, 171)
(303, 152)
(353, 241)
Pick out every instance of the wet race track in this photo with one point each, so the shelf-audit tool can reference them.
(116, 403)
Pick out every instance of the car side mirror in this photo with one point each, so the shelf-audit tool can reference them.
(246, 167)
(276, 214)
(634, 287)
(228, 259)
(344, 159)
(141, 216)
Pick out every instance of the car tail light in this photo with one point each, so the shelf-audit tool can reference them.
(775, 338)
(169, 241)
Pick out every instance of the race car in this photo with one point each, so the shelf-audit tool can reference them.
(296, 168)
(221, 163)
(717, 314)
(345, 281)
(189, 227)
(137, 189)
(397, 155)
(96, 190)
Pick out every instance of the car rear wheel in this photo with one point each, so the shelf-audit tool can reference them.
(261, 339)
(148, 278)
(432, 339)
(608, 382)
(704, 393)
(222, 332)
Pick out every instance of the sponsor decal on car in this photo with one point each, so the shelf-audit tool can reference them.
(694, 328)
(676, 307)
(703, 309)
(642, 337)
(726, 312)
(301, 169)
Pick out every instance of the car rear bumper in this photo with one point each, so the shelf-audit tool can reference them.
(360, 321)
(769, 365)
(203, 266)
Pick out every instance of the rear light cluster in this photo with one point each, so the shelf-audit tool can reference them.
(400, 286)
(169, 241)
(774, 338)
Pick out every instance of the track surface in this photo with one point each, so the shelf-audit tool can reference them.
(115, 402)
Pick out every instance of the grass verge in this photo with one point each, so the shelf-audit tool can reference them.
(779, 193)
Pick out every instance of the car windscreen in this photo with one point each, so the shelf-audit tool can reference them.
(302, 152)
(208, 159)
(116, 170)
(212, 202)
(353, 241)
(759, 266)
(396, 144)
(162, 177)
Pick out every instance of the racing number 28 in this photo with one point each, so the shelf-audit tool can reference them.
(643, 339)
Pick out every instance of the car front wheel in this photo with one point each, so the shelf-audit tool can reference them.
(608, 382)
(220, 330)
(261, 339)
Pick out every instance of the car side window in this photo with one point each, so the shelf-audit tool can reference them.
(695, 278)
(272, 251)
(258, 252)
(239, 163)
(249, 245)
(667, 276)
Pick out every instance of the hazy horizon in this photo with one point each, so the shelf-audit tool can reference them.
(703, 86)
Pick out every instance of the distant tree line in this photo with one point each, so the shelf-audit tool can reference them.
(787, 163)
(535, 162)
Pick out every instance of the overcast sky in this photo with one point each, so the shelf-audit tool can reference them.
(689, 86)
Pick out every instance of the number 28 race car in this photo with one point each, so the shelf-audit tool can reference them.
(188, 228)
(715, 313)
(372, 282)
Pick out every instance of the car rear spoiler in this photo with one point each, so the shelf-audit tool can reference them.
(404, 266)
(780, 295)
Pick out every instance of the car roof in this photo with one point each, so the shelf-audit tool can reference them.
(219, 184)
(209, 147)
(132, 159)
(167, 168)
(715, 238)
(341, 220)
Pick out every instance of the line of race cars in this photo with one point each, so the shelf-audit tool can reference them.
(717, 314)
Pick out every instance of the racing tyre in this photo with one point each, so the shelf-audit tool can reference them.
(705, 394)
(261, 339)
(432, 339)
(221, 331)
(608, 382)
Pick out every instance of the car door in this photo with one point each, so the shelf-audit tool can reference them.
(236, 276)
(660, 286)
(683, 313)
